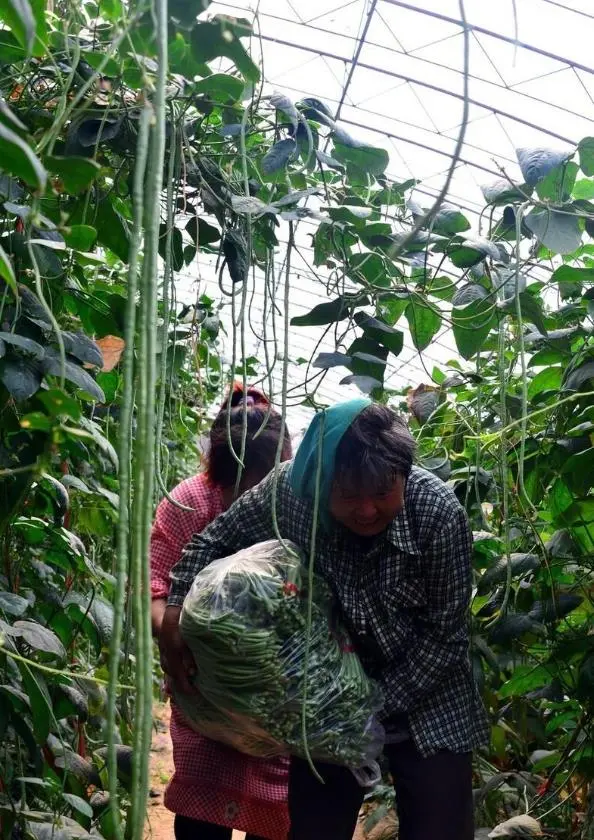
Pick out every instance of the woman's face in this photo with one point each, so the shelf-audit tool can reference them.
(365, 514)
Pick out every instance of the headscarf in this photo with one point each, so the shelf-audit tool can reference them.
(332, 423)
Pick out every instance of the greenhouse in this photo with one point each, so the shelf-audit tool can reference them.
(297, 419)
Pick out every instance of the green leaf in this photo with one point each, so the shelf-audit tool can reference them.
(471, 251)
(503, 192)
(279, 155)
(520, 565)
(27, 344)
(111, 231)
(79, 804)
(423, 321)
(41, 708)
(367, 384)
(83, 348)
(186, 11)
(384, 334)
(98, 59)
(20, 377)
(525, 679)
(557, 186)
(511, 627)
(217, 38)
(548, 379)
(322, 314)
(449, 220)
(76, 173)
(220, 87)
(177, 247)
(472, 322)
(40, 638)
(202, 232)
(329, 360)
(537, 163)
(364, 159)
(18, 14)
(80, 237)
(13, 604)
(73, 373)
(350, 215)
(19, 160)
(559, 232)
(554, 609)
(586, 155)
(570, 280)
(370, 268)
(583, 189)
(579, 377)
(560, 498)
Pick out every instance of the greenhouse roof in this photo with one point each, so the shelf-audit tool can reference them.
(393, 74)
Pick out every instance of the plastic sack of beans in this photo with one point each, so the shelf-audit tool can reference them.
(245, 621)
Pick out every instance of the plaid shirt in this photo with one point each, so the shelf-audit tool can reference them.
(404, 597)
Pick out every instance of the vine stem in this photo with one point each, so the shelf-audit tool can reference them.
(310, 585)
(125, 450)
(57, 672)
(523, 419)
(434, 209)
(145, 452)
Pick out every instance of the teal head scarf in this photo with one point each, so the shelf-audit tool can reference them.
(331, 423)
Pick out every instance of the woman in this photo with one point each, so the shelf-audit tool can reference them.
(215, 789)
(394, 544)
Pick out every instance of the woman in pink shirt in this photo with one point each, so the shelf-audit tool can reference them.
(214, 788)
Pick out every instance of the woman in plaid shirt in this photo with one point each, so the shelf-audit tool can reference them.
(395, 546)
(214, 788)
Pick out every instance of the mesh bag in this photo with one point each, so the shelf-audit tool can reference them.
(245, 620)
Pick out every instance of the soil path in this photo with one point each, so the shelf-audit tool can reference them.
(160, 820)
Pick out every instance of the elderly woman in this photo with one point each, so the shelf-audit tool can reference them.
(394, 544)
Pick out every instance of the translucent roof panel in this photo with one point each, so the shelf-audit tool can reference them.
(392, 71)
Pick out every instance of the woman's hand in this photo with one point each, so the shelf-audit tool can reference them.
(176, 658)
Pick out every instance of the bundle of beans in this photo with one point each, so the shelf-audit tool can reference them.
(245, 621)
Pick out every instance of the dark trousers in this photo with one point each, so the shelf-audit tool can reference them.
(188, 829)
(433, 797)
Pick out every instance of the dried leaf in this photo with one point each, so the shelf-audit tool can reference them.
(521, 826)
(112, 348)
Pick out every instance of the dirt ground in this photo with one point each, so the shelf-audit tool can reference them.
(160, 820)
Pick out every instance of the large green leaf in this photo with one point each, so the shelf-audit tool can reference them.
(18, 14)
(570, 280)
(40, 638)
(20, 377)
(558, 231)
(537, 163)
(73, 373)
(473, 316)
(76, 173)
(111, 230)
(220, 87)
(365, 159)
(322, 314)
(378, 330)
(177, 247)
(41, 707)
(586, 155)
(548, 379)
(423, 321)
(279, 155)
(218, 38)
(19, 159)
